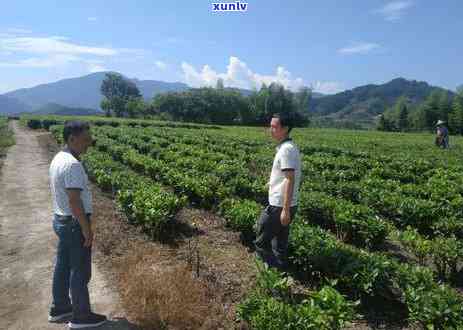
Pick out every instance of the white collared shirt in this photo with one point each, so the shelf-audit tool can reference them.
(67, 172)
(287, 157)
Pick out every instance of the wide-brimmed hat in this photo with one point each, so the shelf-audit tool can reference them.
(440, 122)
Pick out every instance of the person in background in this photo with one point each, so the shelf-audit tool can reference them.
(442, 137)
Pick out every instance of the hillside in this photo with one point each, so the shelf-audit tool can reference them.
(82, 92)
(364, 103)
(10, 105)
(58, 109)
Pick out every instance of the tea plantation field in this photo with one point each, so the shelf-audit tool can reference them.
(365, 196)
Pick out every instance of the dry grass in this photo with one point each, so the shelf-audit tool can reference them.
(161, 296)
(6, 140)
(194, 284)
(167, 286)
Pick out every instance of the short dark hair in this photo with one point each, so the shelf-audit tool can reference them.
(75, 128)
(285, 120)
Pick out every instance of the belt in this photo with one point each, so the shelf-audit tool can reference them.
(69, 218)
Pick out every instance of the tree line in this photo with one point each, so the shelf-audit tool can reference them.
(439, 105)
(207, 105)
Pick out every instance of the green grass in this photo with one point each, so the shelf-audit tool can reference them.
(6, 135)
(374, 143)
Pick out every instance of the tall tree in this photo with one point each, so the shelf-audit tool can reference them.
(302, 99)
(219, 84)
(402, 123)
(456, 115)
(384, 124)
(418, 119)
(263, 101)
(460, 90)
(118, 91)
(106, 107)
(401, 114)
(135, 107)
(430, 109)
(279, 100)
(444, 106)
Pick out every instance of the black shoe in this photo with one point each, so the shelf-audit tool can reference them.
(92, 320)
(57, 315)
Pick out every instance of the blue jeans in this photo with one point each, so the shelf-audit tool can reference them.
(72, 269)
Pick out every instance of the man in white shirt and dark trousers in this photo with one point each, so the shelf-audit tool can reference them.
(273, 227)
(72, 207)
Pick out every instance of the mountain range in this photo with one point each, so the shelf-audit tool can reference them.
(58, 109)
(81, 92)
(365, 103)
(82, 95)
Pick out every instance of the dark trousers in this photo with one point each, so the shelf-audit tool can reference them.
(72, 269)
(272, 237)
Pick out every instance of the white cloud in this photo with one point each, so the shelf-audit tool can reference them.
(393, 11)
(56, 60)
(40, 52)
(137, 53)
(60, 38)
(42, 62)
(238, 75)
(93, 67)
(359, 48)
(327, 87)
(51, 45)
(160, 65)
(92, 19)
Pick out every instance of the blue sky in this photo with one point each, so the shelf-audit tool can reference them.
(328, 45)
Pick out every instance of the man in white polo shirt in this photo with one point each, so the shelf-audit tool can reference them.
(273, 226)
(72, 207)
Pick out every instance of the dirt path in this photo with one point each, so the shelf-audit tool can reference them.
(27, 243)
